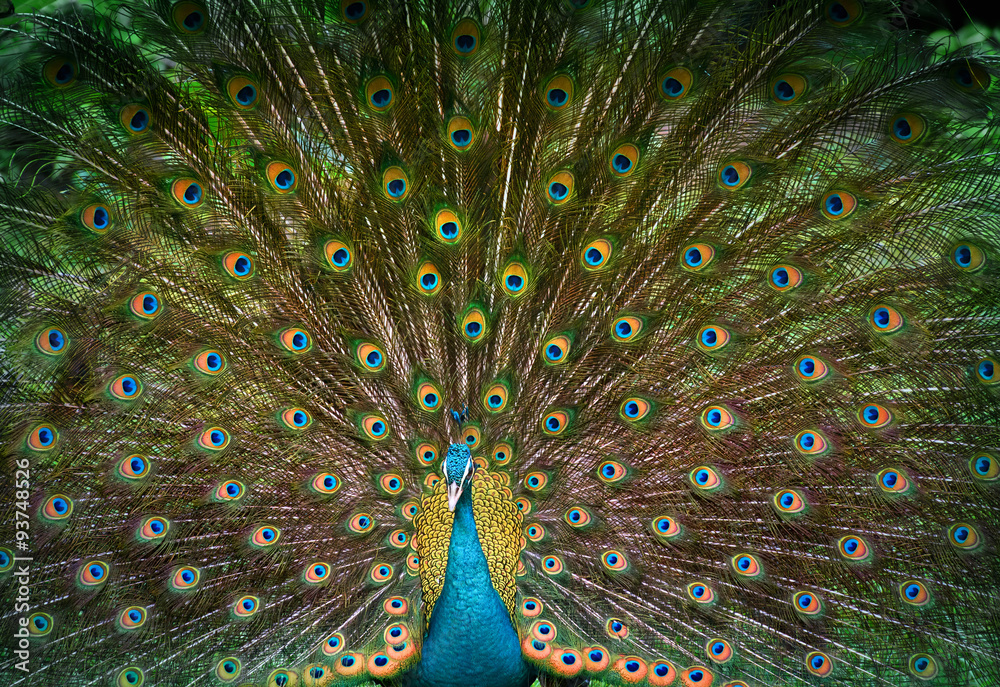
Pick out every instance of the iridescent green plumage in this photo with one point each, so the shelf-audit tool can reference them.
(708, 290)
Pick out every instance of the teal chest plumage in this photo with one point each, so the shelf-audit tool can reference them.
(470, 639)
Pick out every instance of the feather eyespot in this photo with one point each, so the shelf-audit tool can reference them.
(635, 409)
(614, 560)
(185, 577)
(596, 254)
(495, 398)
(214, 439)
(523, 505)
(555, 351)
(717, 418)
(97, 218)
(719, 650)
(986, 371)
(265, 535)
(560, 187)
(396, 633)
(784, 277)
(474, 324)
(611, 471)
(429, 397)
(789, 502)
(472, 436)
(705, 478)
(874, 416)
(380, 94)
(153, 528)
(535, 648)
(788, 88)
(923, 666)
(361, 523)
(630, 668)
(844, 12)
(837, 205)
(914, 593)
(325, 483)
(246, 606)
(135, 119)
(354, 11)
(461, 133)
(146, 305)
(624, 160)
(57, 507)
(132, 618)
(854, 548)
(734, 175)
(465, 38)
(395, 605)
(187, 192)
(40, 624)
(295, 340)
(566, 662)
(189, 17)
(676, 83)
(42, 438)
(502, 453)
(371, 357)
(210, 362)
(295, 418)
(93, 573)
(964, 536)
(398, 539)
(282, 177)
(558, 92)
(413, 564)
(531, 607)
(335, 642)
(243, 92)
(338, 255)
(627, 328)
(616, 628)
(534, 532)
(316, 572)
(819, 664)
(885, 319)
(701, 593)
(809, 368)
(970, 77)
(60, 72)
(395, 183)
(535, 481)
(131, 677)
(697, 256)
(409, 509)
(746, 565)
(556, 422)
(230, 490)
(514, 279)
(968, 257)
(712, 338)
(661, 673)
(807, 603)
(391, 483)
(125, 387)
(52, 341)
(985, 467)
(228, 669)
(696, 676)
(596, 658)
(380, 572)
(426, 453)
(907, 128)
(448, 226)
(543, 630)
(552, 565)
(666, 527)
(810, 442)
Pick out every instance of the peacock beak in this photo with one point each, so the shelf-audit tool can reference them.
(454, 493)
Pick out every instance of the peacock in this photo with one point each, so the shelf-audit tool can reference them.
(443, 343)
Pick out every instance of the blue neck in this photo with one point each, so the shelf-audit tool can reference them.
(470, 640)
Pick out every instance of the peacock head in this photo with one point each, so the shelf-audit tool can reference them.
(458, 468)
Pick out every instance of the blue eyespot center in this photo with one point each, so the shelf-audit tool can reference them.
(97, 572)
(787, 500)
(134, 616)
(100, 217)
(632, 666)
(193, 21)
(672, 87)
(568, 659)
(596, 656)
(743, 563)
(381, 661)
(347, 661)
(60, 505)
(232, 489)
(963, 255)
(921, 664)
(558, 191)
(149, 304)
(986, 370)
(805, 600)
(557, 97)
(851, 545)
(696, 675)
(692, 256)
(246, 95)
(718, 648)
(382, 97)
(901, 127)
(807, 441)
(624, 329)
(65, 73)
(187, 576)
(818, 661)
(354, 11)
(783, 90)
(461, 137)
(139, 121)
(962, 534)
(661, 670)
(465, 43)
(396, 187)
(514, 282)
(730, 176)
(807, 367)
(552, 423)
(449, 230)
(473, 328)
(554, 352)
(156, 526)
(616, 626)
(834, 204)
(340, 257)
(701, 477)
(709, 337)
(621, 163)
(780, 277)
(429, 281)
(192, 194)
(593, 256)
(838, 13)
(889, 479)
